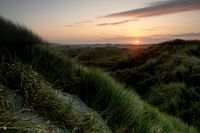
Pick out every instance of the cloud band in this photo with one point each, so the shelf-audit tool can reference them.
(160, 8)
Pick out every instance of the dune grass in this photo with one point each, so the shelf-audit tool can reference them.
(122, 109)
(51, 103)
(16, 34)
(12, 120)
(16, 37)
(169, 81)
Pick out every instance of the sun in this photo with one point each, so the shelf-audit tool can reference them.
(137, 41)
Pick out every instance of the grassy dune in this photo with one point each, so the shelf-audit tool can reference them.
(49, 78)
(123, 109)
(169, 80)
(165, 75)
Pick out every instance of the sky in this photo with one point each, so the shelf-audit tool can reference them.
(106, 21)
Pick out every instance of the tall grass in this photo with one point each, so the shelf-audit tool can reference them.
(123, 109)
(53, 104)
(16, 37)
(13, 121)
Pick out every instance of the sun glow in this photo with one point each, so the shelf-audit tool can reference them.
(137, 41)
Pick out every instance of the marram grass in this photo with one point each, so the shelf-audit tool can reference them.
(122, 109)
(53, 104)
(12, 121)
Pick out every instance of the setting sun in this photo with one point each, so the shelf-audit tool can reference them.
(137, 42)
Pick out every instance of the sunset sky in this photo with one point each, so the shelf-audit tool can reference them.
(107, 21)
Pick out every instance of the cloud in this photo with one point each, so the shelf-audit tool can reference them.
(117, 23)
(74, 25)
(79, 23)
(83, 22)
(160, 8)
(152, 38)
(152, 29)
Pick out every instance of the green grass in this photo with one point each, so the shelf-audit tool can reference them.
(123, 109)
(174, 65)
(12, 120)
(50, 102)
(152, 68)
